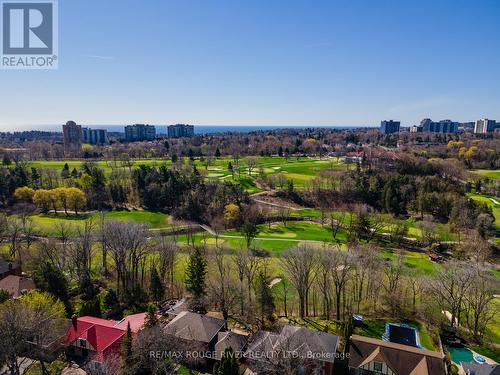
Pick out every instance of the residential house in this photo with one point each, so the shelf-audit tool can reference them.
(195, 330)
(97, 339)
(317, 350)
(471, 368)
(372, 356)
(231, 340)
(136, 322)
(16, 286)
(174, 307)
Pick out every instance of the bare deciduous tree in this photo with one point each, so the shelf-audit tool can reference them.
(81, 255)
(449, 288)
(478, 301)
(393, 273)
(127, 242)
(220, 284)
(341, 270)
(300, 264)
(167, 251)
(325, 267)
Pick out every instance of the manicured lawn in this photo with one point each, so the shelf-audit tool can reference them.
(306, 212)
(493, 174)
(154, 219)
(442, 231)
(295, 230)
(493, 329)
(489, 201)
(300, 230)
(416, 261)
(49, 224)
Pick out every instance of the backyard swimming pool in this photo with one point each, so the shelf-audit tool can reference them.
(459, 355)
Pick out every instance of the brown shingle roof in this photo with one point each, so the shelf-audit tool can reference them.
(16, 285)
(401, 359)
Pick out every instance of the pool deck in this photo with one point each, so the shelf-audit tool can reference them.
(461, 369)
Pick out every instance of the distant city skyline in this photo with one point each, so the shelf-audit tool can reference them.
(265, 63)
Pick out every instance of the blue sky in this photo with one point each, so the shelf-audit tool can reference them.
(263, 62)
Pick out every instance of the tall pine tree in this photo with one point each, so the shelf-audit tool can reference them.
(196, 272)
(265, 298)
(127, 349)
(157, 288)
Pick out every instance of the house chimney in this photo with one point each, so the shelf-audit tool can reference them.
(74, 321)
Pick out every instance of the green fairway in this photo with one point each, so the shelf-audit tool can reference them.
(274, 238)
(493, 174)
(419, 262)
(306, 212)
(441, 231)
(494, 203)
(50, 224)
(295, 230)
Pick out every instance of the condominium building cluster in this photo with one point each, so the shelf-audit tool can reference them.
(75, 135)
(140, 132)
(427, 125)
(180, 130)
(484, 126)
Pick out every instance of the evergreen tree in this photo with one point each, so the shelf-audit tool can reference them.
(196, 271)
(217, 153)
(110, 299)
(265, 298)
(156, 288)
(4, 296)
(74, 173)
(91, 308)
(35, 178)
(6, 160)
(65, 171)
(127, 349)
(48, 278)
(228, 364)
(151, 319)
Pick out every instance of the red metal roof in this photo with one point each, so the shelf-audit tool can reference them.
(99, 333)
(100, 321)
(136, 322)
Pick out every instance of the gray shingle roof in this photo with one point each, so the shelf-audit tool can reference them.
(305, 342)
(191, 326)
(4, 266)
(480, 369)
(229, 340)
